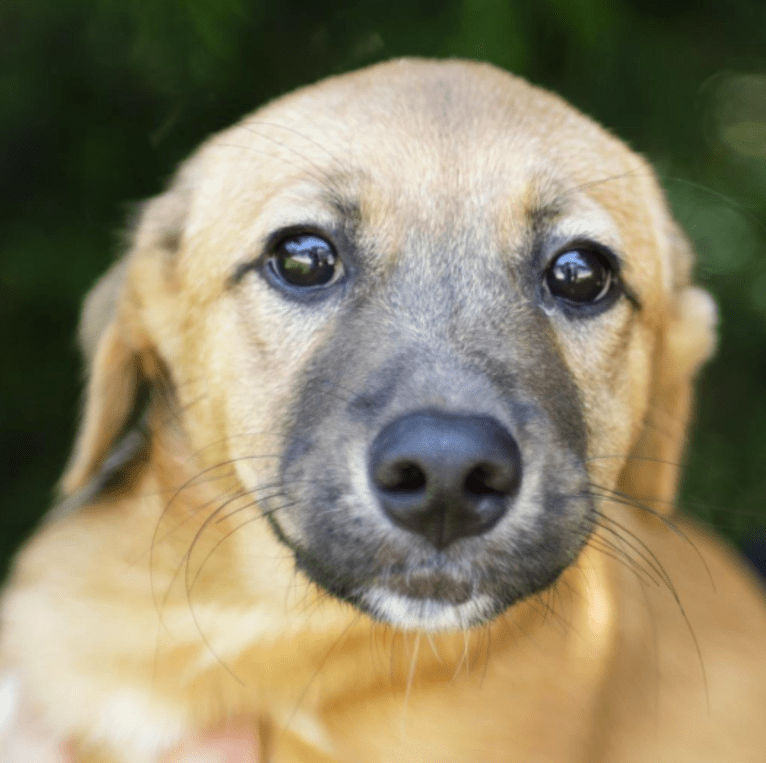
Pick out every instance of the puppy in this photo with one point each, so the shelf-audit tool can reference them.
(381, 437)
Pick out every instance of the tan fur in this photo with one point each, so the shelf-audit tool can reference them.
(167, 605)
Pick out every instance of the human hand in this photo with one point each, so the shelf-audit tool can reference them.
(25, 738)
(230, 745)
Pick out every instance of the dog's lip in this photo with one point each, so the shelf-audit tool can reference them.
(434, 586)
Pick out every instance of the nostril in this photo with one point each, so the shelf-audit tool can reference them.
(488, 479)
(400, 477)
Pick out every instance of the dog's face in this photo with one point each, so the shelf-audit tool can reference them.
(423, 310)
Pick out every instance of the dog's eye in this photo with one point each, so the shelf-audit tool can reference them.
(306, 261)
(579, 275)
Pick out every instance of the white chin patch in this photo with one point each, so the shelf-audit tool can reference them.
(426, 614)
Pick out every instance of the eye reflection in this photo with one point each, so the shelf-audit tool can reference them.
(306, 260)
(580, 275)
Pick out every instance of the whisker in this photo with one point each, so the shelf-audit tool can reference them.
(610, 550)
(634, 457)
(626, 500)
(293, 131)
(650, 558)
(321, 177)
(210, 553)
(617, 497)
(730, 201)
(410, 679)
(344, 633)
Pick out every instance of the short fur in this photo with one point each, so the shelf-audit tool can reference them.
(234, 563)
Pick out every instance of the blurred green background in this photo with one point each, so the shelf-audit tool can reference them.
(100, 99)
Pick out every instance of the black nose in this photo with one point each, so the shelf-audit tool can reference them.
(445, 476)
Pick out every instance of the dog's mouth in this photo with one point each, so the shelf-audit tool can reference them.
(420, 611)
(425, 594)
(406, 584)
(432, 602)
(442, 588)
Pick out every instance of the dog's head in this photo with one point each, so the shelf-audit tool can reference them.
(430, 315)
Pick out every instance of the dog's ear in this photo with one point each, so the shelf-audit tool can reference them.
(112, 371)
(118, 352)
(687, 339)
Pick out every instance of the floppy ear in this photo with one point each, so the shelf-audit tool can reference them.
(112, 369)
(118, 353)
(686, 341)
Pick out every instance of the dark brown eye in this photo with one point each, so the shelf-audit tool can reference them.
(582, 276)
(306, 261)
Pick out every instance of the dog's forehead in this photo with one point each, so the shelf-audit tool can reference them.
(427, 129)
(427, 146)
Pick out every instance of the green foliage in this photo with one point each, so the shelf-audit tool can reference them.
(99, 100)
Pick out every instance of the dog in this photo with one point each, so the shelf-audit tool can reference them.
(380, 444)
